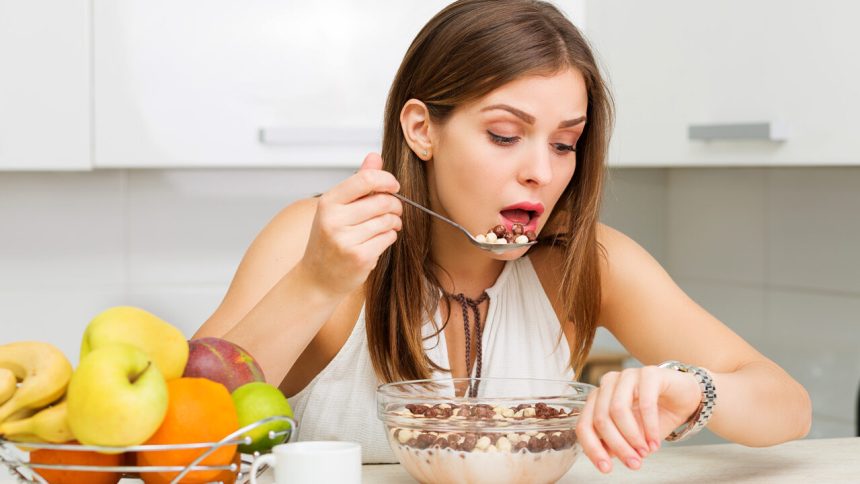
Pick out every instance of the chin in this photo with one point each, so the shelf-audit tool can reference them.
(510, 255)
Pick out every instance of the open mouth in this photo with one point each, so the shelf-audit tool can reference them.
(524, 214)
(518, 216)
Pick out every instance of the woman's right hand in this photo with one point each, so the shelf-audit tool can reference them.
(354, 223)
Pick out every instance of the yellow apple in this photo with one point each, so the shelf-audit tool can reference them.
(164, 343)
(117, 396)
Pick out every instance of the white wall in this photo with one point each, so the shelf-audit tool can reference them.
(772, 252)
(73, 244)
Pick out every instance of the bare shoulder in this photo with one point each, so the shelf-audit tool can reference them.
(647, 311)
(626, 268)
(281, 244)
(618, 255)
(290, 226)
(278, 247)
(615, 250)
(618, 250)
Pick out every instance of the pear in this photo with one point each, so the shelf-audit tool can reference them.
(162, 342)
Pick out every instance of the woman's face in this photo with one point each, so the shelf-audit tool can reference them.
(507, 157)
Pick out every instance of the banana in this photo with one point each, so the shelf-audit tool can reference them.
(21, 414)
(49, 425)
(43, 370)
(8, 385)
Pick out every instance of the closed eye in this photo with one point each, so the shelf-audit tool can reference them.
(502, 140)
(564, 147)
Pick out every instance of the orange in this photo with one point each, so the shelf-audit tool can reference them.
(76, 457)
(198, 410)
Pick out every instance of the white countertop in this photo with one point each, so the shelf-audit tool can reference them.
(806, 461)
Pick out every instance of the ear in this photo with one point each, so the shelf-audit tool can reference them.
(417, 129)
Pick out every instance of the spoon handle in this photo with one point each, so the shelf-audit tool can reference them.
(421, 207)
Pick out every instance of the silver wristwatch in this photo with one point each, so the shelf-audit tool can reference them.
(709, 398)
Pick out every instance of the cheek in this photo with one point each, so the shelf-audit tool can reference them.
(469, 162)
(564, 177)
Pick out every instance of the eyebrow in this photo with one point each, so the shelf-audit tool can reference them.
(528, 118)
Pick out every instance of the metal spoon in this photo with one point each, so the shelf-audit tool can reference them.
(494, 248)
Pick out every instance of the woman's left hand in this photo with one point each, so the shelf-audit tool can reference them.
(633, 411)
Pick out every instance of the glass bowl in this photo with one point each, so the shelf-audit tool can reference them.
(513, 430)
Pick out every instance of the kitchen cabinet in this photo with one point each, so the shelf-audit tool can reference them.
(45, 94)
(203, 83)
(252, 83)
(733, 83)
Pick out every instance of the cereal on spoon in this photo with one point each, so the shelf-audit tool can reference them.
(500, 235)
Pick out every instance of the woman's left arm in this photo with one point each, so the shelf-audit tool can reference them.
(758, 403)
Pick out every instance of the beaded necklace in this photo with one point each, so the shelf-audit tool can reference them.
(465, 304)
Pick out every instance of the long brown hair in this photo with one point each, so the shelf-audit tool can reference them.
(466, 51)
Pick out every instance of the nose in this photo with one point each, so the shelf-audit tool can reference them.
(536, 170)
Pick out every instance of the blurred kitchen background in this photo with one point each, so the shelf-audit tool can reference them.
(143, 144)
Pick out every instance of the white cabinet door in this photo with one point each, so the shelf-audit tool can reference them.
(251, 83)
(45, 85)
(680, 63)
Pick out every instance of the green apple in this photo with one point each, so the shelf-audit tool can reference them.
(164, 343)
(255, 401)
(117, 396)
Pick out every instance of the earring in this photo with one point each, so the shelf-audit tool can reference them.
(425, 152)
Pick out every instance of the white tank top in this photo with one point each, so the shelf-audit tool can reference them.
(522, 337)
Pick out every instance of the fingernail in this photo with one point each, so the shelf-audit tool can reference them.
(604, 466)
(654, 446)
(634, 463)
(643, 452)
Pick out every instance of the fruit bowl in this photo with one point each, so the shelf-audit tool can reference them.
(15, 456)
(514, 430)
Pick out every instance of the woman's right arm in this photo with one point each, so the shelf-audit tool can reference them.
(303, 264)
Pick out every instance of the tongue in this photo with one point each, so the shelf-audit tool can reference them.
(517, 216)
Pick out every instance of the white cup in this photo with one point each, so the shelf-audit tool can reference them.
(313, 462)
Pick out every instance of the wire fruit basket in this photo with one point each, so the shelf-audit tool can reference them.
(18, 463)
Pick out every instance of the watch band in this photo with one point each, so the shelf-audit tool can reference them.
(703, 413)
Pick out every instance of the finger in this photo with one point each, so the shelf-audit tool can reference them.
(593, 448)
(621, 411)
(607, 449)
(371, 162)
(364, 182)
(638, 416)
(363, 232)
(369, 207)
(605, 426)
(377, 245)
(649, 395)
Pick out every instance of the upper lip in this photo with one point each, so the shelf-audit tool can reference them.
(535, 207)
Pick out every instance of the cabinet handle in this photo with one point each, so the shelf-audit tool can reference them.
(765, 131)
(313, 136)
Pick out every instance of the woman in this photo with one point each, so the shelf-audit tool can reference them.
(498, 115)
